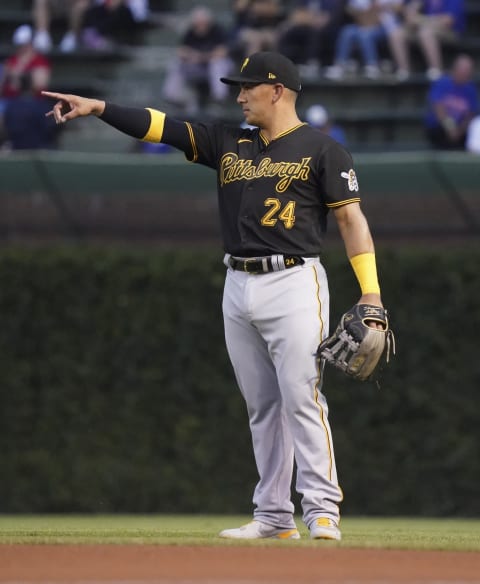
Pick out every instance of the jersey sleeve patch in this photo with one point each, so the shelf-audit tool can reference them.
(351, 177)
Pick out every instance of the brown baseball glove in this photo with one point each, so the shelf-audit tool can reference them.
(355, 347)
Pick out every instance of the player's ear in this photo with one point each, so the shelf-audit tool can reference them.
(278, 90)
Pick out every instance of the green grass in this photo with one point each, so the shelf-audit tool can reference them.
(399, 533)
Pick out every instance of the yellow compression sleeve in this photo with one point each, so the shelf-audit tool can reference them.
(365, 269)
(155, 131)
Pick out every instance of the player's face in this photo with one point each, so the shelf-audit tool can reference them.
(256, 102)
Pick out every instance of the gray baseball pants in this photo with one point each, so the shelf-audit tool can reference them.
(274, 323)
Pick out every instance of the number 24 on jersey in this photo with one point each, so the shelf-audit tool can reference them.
(276, 212)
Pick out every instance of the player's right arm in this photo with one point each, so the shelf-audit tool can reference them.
(146, 124)
(136, 122)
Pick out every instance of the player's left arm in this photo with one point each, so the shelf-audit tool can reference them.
(360, 249)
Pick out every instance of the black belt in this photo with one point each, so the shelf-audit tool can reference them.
(274, 263)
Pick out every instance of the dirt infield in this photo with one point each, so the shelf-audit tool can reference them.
(137, 564)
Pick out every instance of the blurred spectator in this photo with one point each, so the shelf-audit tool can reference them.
(374, 21)
(26, 125)
(256, 23)
(107, 22)
(24, 60)
(430, 23)
(309, 33)
(140, 10)
(453, 103)
(3, 103)
(43, 11)
(473, 136)
(318, 117)
(202, 58)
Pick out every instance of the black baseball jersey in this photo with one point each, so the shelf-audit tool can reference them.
(273, 196)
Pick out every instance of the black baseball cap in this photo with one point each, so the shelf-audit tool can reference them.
(267, 67)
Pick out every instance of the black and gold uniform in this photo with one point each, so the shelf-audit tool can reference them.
(273, 196)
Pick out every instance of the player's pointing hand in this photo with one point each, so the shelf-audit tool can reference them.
(69, 107)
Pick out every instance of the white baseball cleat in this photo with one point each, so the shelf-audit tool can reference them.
(325, 528)
(259, 530)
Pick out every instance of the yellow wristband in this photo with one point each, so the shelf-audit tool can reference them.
(155, 131)
(365, 269)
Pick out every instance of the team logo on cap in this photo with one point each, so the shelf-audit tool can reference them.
(272, 76)
(352, 179)
(245, 63)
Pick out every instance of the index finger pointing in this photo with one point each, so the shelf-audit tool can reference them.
(54, 95)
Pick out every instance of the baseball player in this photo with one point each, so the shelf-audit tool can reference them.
(276, 185)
